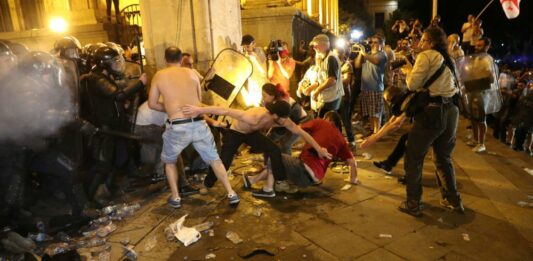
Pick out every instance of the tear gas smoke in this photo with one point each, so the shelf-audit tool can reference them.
(34, 103)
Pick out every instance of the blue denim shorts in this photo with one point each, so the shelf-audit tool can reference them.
(177, 137)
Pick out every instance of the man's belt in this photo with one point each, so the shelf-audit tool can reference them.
(174, 122)
(441, 100)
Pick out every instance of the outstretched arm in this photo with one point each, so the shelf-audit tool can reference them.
(392, 125)
(240, 115)
(291, 126)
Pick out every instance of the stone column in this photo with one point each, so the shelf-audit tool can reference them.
(200, 27)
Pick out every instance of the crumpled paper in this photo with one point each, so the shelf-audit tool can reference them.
(187, 235)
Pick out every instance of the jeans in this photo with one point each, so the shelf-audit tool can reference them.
(434, 127)
(346, 116)
(329, 106)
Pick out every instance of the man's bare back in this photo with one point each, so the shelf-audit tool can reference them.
(263, 117)
(178, 86)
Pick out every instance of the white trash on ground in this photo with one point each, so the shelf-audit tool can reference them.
(187, 235)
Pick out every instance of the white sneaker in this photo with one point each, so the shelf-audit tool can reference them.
(479, 148)
(471, 143)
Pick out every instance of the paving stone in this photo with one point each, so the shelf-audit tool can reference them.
(335, 238)
(380, 254)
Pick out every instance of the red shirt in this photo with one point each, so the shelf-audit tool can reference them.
(329, 137)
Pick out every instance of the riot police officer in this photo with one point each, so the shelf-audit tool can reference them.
(102, 105)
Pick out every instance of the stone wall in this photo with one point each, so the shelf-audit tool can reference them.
(199, 27)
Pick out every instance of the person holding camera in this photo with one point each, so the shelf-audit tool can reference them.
(373, 66)
(280, 65)
(326, 94)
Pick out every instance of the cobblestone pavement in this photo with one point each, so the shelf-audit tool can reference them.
(326, 223)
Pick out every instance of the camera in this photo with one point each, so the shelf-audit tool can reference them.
(274, 48)
(398, 63)
(357, 47)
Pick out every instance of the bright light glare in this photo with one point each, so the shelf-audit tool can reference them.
(58, 25)
(356, 34)
(340, 43)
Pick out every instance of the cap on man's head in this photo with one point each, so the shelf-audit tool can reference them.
(247, 39)
(321, 38)
(279, 107)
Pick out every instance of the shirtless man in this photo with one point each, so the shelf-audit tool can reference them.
(246, 127)
(180, 86)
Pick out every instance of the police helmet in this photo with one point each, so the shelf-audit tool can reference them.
(107, 58)
(66, 43)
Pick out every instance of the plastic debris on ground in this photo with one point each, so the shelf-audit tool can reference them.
(210, 256)
(57, 248)
(529, 171)
(366, 155)
(258, 212)
(187, 235)
(130, 253)
(211, 232)
(346, 187)
(233, 237)
(385, 235)
(150, 243)
(229, 221)
(525, 204)
(92, 242)
(466, 237)
(204, 226)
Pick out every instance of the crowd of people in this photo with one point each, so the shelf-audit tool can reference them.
(115, 124)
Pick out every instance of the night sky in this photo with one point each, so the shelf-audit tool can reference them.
(454, 13)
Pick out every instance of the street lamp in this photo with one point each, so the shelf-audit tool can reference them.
(58, 25)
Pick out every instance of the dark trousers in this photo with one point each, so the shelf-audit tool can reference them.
(231, 142)
(520, 135)
(434, 127)
(398, 151)
(329, 106)
(346, 116)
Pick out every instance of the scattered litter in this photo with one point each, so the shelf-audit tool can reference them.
(466, 237)
(125, 241)
(285, 198)
(346, 187)
(388, 177)
(106, 230)
(525, 204)
(441, 243)
(210, 256)
(109, 209)
(150, 244)
(492, 153)
(366, 155)
(431, 247)
(217, 217)
(229, 221)
(102, 253)
(204, 226)
(385, 235)
(93, 242)
(57, 248)
(130, 253)
(187, 235)
(530, 171)
(530, 197)
(258, 212)
(304, 256)
(233, 237)
(169, 235)
(440, 220)
(282, 247)
(62, 236)
(211, 232)
(100, 221)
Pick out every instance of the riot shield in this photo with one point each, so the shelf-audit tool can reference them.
(478, 74)
(226, 77)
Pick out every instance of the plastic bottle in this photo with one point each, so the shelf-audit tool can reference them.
(106, 230)
(204, 226)
(93, 242)
(127, 210)
(233, 237)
